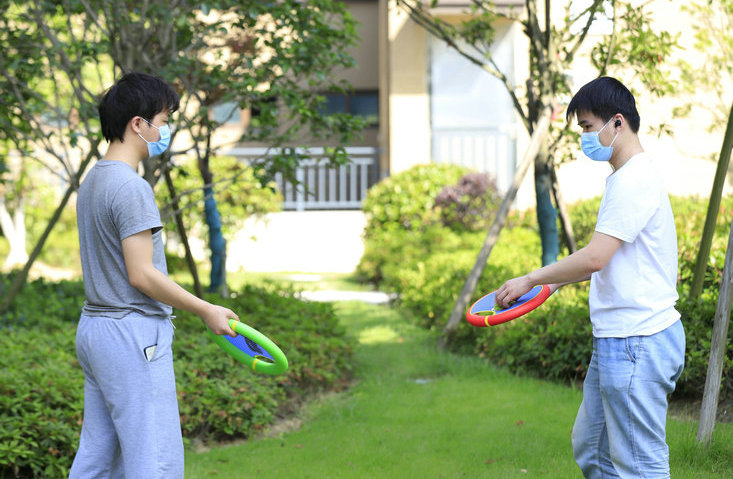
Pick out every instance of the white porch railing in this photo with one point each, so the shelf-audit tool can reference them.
(320, 187)
(489, 150)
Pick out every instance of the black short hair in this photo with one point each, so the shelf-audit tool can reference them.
(135, 94)
(604, 97)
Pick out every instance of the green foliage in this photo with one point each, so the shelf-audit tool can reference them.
(272, 58)
(400, 204)
(238, 195)
(428, 268)
(51, 305)
(406, 199)
(430, 283)
(643, 50)
(41, 383)
(712, 68)
(470, 204)
(698, 315)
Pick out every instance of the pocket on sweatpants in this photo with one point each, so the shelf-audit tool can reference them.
(163, 349)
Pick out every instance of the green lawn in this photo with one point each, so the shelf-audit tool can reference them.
(417, 413)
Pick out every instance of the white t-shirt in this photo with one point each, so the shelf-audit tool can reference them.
(635, 293)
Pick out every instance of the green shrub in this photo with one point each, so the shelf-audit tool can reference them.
(398, 204)
(406, 199)
(41, 303)
(427, 269)
(429, 285)
(698, 315)
(41, 383)
(470, 204)
(41, 402)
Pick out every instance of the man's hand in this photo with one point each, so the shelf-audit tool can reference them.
(217, 319)
(511, 290)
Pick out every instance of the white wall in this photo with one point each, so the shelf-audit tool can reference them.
(307, 241)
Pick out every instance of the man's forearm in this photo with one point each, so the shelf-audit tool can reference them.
(571, 269)
(161, 288)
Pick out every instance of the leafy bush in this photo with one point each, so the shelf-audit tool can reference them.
(427, 269)
(401, 203)
(698, 315)
(41, 402)
(470, 204)
(407, 199)
(429, 285)
(41, 383)
(41, 303)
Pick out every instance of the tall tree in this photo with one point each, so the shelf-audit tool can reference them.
(553, 48)
(272, 58)
(47, 109)
(275, 58)
(712, 73)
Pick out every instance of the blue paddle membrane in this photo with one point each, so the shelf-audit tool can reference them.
(487, 305)
(250, 348)
(485, 312)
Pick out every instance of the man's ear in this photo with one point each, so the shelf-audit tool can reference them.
(136, 124)
(618, 120)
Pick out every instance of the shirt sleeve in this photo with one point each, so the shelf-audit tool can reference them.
(134, 209)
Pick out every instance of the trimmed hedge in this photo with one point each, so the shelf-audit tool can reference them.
(42, 385)
(400, 204)
(427, 269)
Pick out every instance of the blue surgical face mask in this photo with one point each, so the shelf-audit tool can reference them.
(591, 145)
(158, 147)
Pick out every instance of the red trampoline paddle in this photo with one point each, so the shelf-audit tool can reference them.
(485, 312)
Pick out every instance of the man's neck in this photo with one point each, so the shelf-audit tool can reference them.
(622, 154)
(124, 153)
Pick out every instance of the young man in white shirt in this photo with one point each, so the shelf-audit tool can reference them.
(631, 261)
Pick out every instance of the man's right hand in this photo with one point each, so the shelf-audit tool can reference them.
(217, 319)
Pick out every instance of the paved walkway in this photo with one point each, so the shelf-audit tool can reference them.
(305, 241)
(371, 297)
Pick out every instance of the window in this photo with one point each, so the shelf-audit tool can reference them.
(226, 113)
(364, 104)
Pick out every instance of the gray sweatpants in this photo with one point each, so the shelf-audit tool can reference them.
(131, 426)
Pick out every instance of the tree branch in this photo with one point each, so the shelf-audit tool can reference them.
(591, 10)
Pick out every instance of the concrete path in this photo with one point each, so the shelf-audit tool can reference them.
(306, 241)
(371, 297)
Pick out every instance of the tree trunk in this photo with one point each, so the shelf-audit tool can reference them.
(217, 243)
(709, 408)
(13, 227)
(546, 212)
(198, 290)
(21, 277)
(708, 231)
(459, 310)
(567, 225)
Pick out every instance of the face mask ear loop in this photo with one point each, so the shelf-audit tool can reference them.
(614, 138)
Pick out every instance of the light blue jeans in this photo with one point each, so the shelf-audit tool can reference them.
(620, 427)
(131, 426)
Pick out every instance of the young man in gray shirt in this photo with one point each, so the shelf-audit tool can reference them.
(131, 424)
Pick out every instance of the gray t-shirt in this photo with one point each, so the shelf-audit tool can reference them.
(114, 202)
